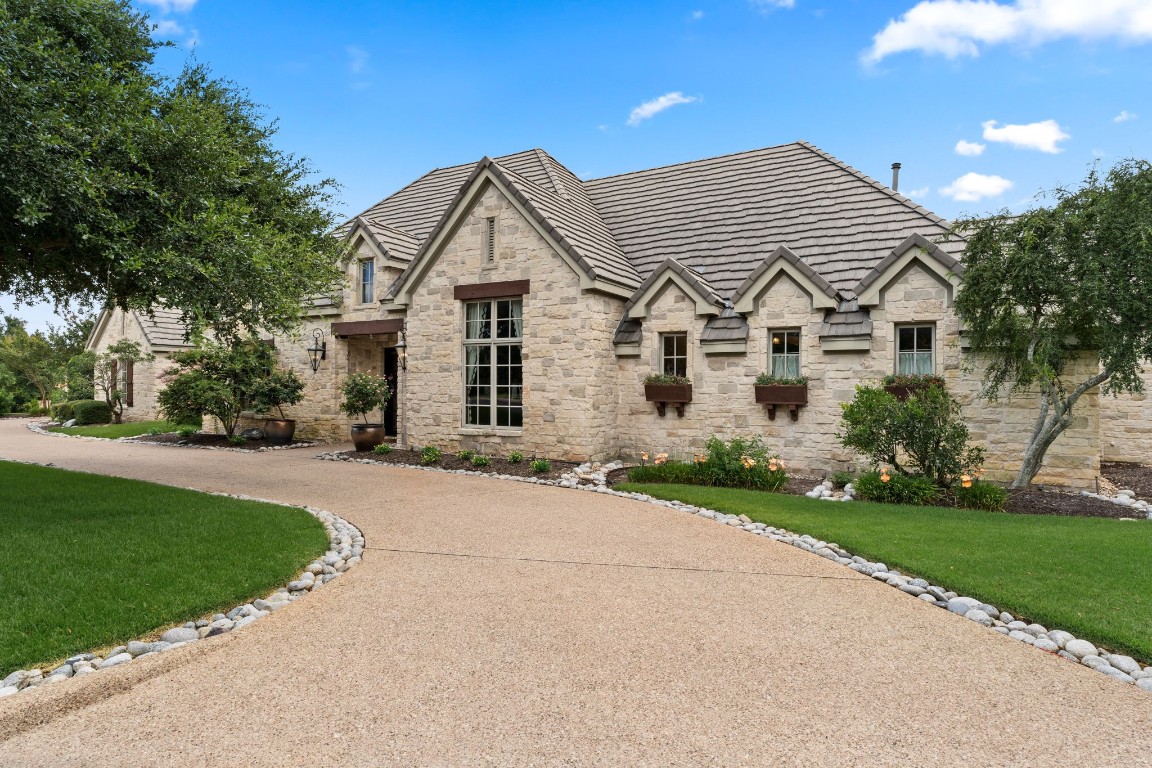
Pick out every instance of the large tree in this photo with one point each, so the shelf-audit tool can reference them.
(1049, 292)
(120, 186)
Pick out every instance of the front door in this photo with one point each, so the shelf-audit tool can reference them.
(391, 374)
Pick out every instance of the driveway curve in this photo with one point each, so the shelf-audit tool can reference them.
(501, 623)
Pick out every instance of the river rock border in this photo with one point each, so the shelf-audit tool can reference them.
(39, 428)
(592, 476)
(345, 549)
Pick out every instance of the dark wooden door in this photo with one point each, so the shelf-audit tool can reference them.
(392, 375)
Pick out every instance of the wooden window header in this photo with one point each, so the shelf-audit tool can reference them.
(490, 290)
(366, 327)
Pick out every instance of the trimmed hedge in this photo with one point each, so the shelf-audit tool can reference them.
(92, 412)
(66, 410)
(898, 489)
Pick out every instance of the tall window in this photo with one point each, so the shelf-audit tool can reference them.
(914, 349)
(490, 240)
(367, 281)
(493, 372)
(674, 354)
(784, 354)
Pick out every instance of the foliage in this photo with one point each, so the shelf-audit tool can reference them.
(187, 432)
(981, 495)
(33, 408)
(215, 380)
(364, 393)
(922, 435)
(430, 454)
(237, 439)
(466, 455)
(515, 457)
(155, 431)
(742, 462)
(78, 374)
(279, 388)
(539, 466)
(109, 369)
(382, 449)
(924, 380)
(32, 357)
(65, 411)
(898, 489)
(841, 479)
(1042, 287)
(92, 412)
(666, 472)
(767, 379)
(480, 460)
(666, 378)
(118, 184)
(10, 395)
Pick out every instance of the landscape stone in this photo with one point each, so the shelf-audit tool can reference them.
(1125, 664)
(1080, 648)
(180, 635)
(978, 616)
(115, 661)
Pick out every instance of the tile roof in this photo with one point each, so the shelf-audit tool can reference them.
(847, 320)
(728, 326)
(164, 328)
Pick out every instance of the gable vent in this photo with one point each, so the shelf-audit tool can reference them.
(490, 240)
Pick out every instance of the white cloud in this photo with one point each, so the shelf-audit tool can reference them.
(658, 105)
(972, 187)
(969, 148)
(165, 27)
(767, 6)
(954, 28)
(1043, 136)
(167, 6)
(696, 15)
(1124, 117)
(916, 193)
(357, 58)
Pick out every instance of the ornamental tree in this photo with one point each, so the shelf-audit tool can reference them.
(120, 186)
(110, 367)
(220, 380)
(1050, 292)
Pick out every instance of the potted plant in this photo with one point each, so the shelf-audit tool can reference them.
(276, 390)
(664, 388)
(363, 393)
(902, 385)
(773, 391)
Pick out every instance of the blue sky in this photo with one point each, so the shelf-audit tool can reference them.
(984, 102)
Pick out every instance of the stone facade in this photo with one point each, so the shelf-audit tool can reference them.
(146, 375)
(1126, 425)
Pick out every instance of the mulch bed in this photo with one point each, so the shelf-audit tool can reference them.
(498, 466)
(205, 440)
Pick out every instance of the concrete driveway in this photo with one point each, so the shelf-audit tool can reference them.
(499, 623)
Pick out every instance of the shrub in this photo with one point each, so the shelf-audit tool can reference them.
(465, 455)
(430, 454)
(899, 489)
(155, 431)
(92, 412)
(279, 388)
(925, 380)
(216, 380)
(480, 460)
(382, 449)
(981, 495)
(237, 439)
(924, 432)
(668, 472)
(841, 479)
(515, 457)
(64, 411)
(187, 431)
(666, 378)
(766, 379)
(363, 393)
(540, 465)
(33, 408)
(741, 463)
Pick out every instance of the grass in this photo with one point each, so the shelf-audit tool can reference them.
(1089, 576)
(92, 561)
(113, 431)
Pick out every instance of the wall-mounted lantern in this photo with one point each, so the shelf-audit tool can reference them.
(402, 349)
(319, 349)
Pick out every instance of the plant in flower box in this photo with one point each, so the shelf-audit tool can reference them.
(788, 391)
(664, 388)
(901, 385)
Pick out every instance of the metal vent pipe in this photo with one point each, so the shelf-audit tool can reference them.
(895, 177)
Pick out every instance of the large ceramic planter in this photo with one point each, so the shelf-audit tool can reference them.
(367, 436)
(279, 431)
(791, 396)
(678, 395)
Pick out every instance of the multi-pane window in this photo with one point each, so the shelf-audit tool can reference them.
(914, 349)
(367, 281)
(493, 372)
(490, 240)
(674, 354)
(784, 354)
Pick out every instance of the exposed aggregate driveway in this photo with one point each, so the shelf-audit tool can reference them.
(500, 623)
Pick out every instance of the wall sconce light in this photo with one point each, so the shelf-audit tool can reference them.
(319, 349)
(402, 349)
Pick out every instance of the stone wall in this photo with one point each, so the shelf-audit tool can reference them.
(146, 375)
(1126, 425)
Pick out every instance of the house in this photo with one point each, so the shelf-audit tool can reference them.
(160, 333)
(518, 307)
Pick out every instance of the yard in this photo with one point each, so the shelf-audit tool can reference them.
(1088, 576)
(93, 561)
(114, 431)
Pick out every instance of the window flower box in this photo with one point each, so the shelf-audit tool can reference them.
(664, 389)
(791, 393)
(901, 386)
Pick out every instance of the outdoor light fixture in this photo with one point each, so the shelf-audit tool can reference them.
(402, 350)
(319, 349)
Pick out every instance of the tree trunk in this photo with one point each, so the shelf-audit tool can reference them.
(1055, 417)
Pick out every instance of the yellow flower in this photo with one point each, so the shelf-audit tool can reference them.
(772, 465)
(966, 481)
(643, 456)
(884, 476)
(660, 458)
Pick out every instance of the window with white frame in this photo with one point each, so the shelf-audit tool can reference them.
(493, 371)
(674, 354)
(367, 281)
(915, 349)
(784, 354)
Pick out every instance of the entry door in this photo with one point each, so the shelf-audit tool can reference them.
(391, 374)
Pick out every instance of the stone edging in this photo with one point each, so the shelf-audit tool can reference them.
(345, 549)
(38, 428)
(1055, 641)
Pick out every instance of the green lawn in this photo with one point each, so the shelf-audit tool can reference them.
(113, 431)
(1089, 576)
(91, 561)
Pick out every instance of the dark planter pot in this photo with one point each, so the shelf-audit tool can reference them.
(678, 395)
(792, 396)
(279, 431)
(367, 436)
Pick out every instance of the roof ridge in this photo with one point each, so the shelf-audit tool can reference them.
(697, 160)
(557, 184)
(907, 202)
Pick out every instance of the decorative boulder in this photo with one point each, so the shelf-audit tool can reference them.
(253, 433)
